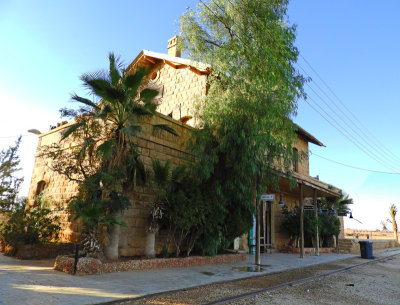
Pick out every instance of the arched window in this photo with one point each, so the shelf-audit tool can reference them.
(39, 190)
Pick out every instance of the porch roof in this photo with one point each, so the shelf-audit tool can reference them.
(309, 185)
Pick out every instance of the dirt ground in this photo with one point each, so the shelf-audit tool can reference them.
(375, 283)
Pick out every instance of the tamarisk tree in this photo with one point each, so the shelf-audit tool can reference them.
(246, 131)
(9, 182)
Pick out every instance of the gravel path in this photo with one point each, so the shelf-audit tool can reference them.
(376, 283)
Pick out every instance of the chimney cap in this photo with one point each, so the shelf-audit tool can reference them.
(172, 47)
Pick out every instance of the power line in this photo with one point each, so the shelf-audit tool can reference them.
(355, 167)
(334, 126)
(351, 113)
(369, 153)
(354, 140)
(362, 136)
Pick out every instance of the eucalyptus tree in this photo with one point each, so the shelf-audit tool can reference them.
(246, 135)
(107, 155)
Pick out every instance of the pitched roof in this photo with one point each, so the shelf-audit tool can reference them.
(308, 136)
(150, 57)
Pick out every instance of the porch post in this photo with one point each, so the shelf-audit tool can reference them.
(301, 221)
(257, 256)
(316, 217)
(337, 236)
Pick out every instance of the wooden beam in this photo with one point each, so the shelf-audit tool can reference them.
(198, 72)
(301, 220)
(174, 65)
(150, 59)
(316, 216)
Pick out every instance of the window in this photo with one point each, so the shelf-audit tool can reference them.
(295, 160)
(39, 190)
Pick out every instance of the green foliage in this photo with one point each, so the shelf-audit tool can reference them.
(328, 223)
(246, 132)
(9, 182)
(340, 204)
(105, 157)
(35, 225)
(95, 204)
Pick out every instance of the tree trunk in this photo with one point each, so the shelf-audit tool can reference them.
(395, 230)
(111, 250)
(334, 241)
(150, 244)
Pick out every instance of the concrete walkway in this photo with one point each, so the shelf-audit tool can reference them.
(34, 282)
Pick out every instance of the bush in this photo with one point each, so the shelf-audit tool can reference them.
(32, 226)
(328, 224)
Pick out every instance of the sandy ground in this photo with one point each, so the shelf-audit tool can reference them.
(375, 283)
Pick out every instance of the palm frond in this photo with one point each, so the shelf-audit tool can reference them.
(77, 98)
(66, 133)
(97, 83)
(85, 145)
(150, 108)
(147, 95)
(132, 130)
(133, 81)
(115, 75)
(161, 172)
(106, 149)
(138, 110)
(103, 113)
(164, 127)
(178, 172)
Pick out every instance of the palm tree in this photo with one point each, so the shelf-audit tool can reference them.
(110, 127)
(393, 212)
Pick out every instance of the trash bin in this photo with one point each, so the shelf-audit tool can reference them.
(366, 249)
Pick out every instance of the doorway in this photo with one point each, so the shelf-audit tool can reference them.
(265, 226)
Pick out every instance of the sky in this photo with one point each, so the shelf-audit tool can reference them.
(353, 45)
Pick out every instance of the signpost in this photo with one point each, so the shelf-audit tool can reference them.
(268, 197)
(263, 197)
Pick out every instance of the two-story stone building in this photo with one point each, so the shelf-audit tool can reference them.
(180, 82)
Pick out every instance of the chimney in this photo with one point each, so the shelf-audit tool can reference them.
(173, 47)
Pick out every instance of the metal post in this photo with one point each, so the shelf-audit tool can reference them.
(301, 221)
(257, 257)
(316, 216)
(76, 257)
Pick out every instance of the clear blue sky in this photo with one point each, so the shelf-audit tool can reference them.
(46, 45)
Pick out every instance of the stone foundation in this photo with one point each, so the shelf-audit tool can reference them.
(87, 266)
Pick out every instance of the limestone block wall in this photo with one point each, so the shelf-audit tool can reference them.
(59, 190)
(280, 237)
(179, 89)
(303, 165)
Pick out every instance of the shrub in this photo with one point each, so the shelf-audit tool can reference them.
(35, 225)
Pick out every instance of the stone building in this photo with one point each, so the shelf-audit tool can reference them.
(180, 83)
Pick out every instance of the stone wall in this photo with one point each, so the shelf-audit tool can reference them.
(179, 90)
(59, 190)
(302, 147)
